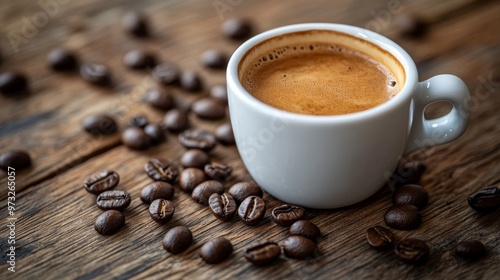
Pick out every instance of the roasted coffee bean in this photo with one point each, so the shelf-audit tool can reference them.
(218, 171)
(306, 229)
(161, 170)
(161, 210)
(242, 190)
(299, 247)
(224, 133)
(285, 215)
(166, 73)
(99, 124)
(190, 81)
(135, 24)
(17, 159)
(113, 200)
(195, 158)
(160, 98)
(203, 191)
(13, 82)
(156, 190)
(237, 28)
(470, 249)
(219, 93)
(380, 238)
(177, 239)
(412, 250)
(101, 181)
(216, 250)
(197, 139)
(94, 73)
(407, 173)
(214, 59)
(139, 59)
(410, 25)
(485, 200)
(209, 108)
(155, 132)
(62, 60)
(252, 210)
(109, 222)
(222, 206)
(136, 139)
(262, 252)
(403, 217)
(410, 194)
(190, 178)
(176, 120)
(139, 121)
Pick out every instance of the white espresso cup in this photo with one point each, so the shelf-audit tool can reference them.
(334, 161)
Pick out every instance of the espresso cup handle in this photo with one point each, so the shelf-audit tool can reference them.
(424, 132)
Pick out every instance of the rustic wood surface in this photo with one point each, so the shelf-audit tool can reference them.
(55, 238)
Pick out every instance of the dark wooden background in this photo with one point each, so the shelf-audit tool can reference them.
(54, 231)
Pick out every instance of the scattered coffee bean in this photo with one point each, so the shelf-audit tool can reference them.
(190, 81)
(109, 222)
(299, 247)
(160, 98)
(166, 73)
(224, 133)
(161, 210)
(17, 159)
(136, 139)
(410, 25)
(94, 73)
(176, 120)
(156, 190)
(13, 82)
(197, 139)
(470, 249)
(262, 252)
(412, 251)
(99, 124)
(113, 200)
(155, 132)
(218, 171)
(222, 206)
(485, 200)
(306, 229)
(62, 60)
(407, 173)
(214, 59)
(139, 121)
(195, 158)
(285, 215)
(177, 239)
(219, 93)
(410, 194)
(380, 238)
(101, 181)
(161, 170)
(203, 191)
(139, 59)
(242, 190)
(209, 108)
(190, 178)
(403, 217)
(252, 210)
(216, 250)
(135, 24)
(237, 28)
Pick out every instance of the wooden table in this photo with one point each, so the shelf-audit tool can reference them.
(54, 229)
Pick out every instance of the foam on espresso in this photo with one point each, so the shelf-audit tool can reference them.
(319, 79)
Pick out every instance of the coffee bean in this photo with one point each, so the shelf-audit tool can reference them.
(407, 173)
(252, 210)
(13, 82)
(177, 240)
(156, 190)
(485, 200)
(306, 229)
(94, 73)
(99, 124)
(219, 93)
(113, 200)
(101, 181)
(410, 194)
(139, 121)
(403, 217)
(190, 81)
(262, 252)
(216, 250)
(136, 139)
(139, 59)
(160, 98)
(218, 171)
(197, 139)
(285, 215)
(161, 210)
(299, 247)
(380, 238)
(190, 178)
(62, 60)
(224, 133)
(161, 170)
(237, 28)
(410, 25)
(135, 24)
(203, 191)
(242, 190)
(195, 158)
(17, 159)
(214, 59)
(109, 222)
(470, 249)
(209, 108)
(176, 120)
(166, 73)
(222, 206)
(412, 250)
(155, 132)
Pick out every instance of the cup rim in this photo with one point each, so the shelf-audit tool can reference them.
(383, 42)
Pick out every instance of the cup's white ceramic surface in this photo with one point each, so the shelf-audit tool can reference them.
(335, 161)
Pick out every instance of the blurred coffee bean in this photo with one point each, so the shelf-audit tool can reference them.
(160, 98)
(136, 139)
(13, 82)
(412, 250)
(139, 121)
(176, 120)
(17, 159)
(139, 59)
(135, 24)
(166, 73)
(219, 93)
(485, 200)
(62, 60)
(410, 25)
(209, 108)
(237, 28)
(198, 139)
(218, 171)
(410, 194)
(156, 190)
(155, 132)
(403, 217)
(214, 59)
(470, 249)
(224, 133)
(379, 238)
(191, 81)
(99, 124)
(195, 158)
(95, 73)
